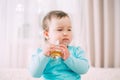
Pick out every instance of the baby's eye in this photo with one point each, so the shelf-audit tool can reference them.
(69, 30)
(59, 29)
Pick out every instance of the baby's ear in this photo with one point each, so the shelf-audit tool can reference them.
(46, 34)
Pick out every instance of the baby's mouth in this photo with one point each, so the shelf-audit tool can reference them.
(65, 41)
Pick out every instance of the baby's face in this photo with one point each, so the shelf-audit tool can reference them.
(60, 29)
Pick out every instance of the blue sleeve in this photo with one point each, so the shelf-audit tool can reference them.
(37, 64)
(77, 61)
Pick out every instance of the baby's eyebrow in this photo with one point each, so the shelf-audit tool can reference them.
(60, 27)
(63, 27)
(69, 27)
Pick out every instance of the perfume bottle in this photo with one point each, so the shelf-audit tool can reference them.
(57, 53)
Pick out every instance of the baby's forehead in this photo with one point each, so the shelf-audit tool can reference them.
(60, 19)
(60, 22)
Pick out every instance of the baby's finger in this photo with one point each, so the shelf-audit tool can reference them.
(63, 46)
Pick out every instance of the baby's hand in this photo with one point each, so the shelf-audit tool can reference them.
(65, 51)
(51, 47)
(47, 49)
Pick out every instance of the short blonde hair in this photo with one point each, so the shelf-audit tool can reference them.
(52, 14)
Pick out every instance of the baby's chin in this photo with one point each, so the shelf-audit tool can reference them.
(65, 43)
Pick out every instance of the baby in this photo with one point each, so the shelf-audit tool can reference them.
(71, 61)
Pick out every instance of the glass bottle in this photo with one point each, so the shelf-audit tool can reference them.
(57, 53)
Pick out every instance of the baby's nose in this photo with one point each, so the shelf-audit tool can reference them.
(64, 33)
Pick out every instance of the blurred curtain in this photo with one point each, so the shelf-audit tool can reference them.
(20, 27)
(18, 32)
(103, 32)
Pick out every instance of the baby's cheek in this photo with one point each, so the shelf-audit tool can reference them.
(58, 37)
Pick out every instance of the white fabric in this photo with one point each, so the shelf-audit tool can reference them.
(93, 74)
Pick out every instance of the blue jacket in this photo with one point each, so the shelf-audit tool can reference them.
(58, 69)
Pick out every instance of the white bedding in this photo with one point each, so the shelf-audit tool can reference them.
(102, 74)
(93, 74)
